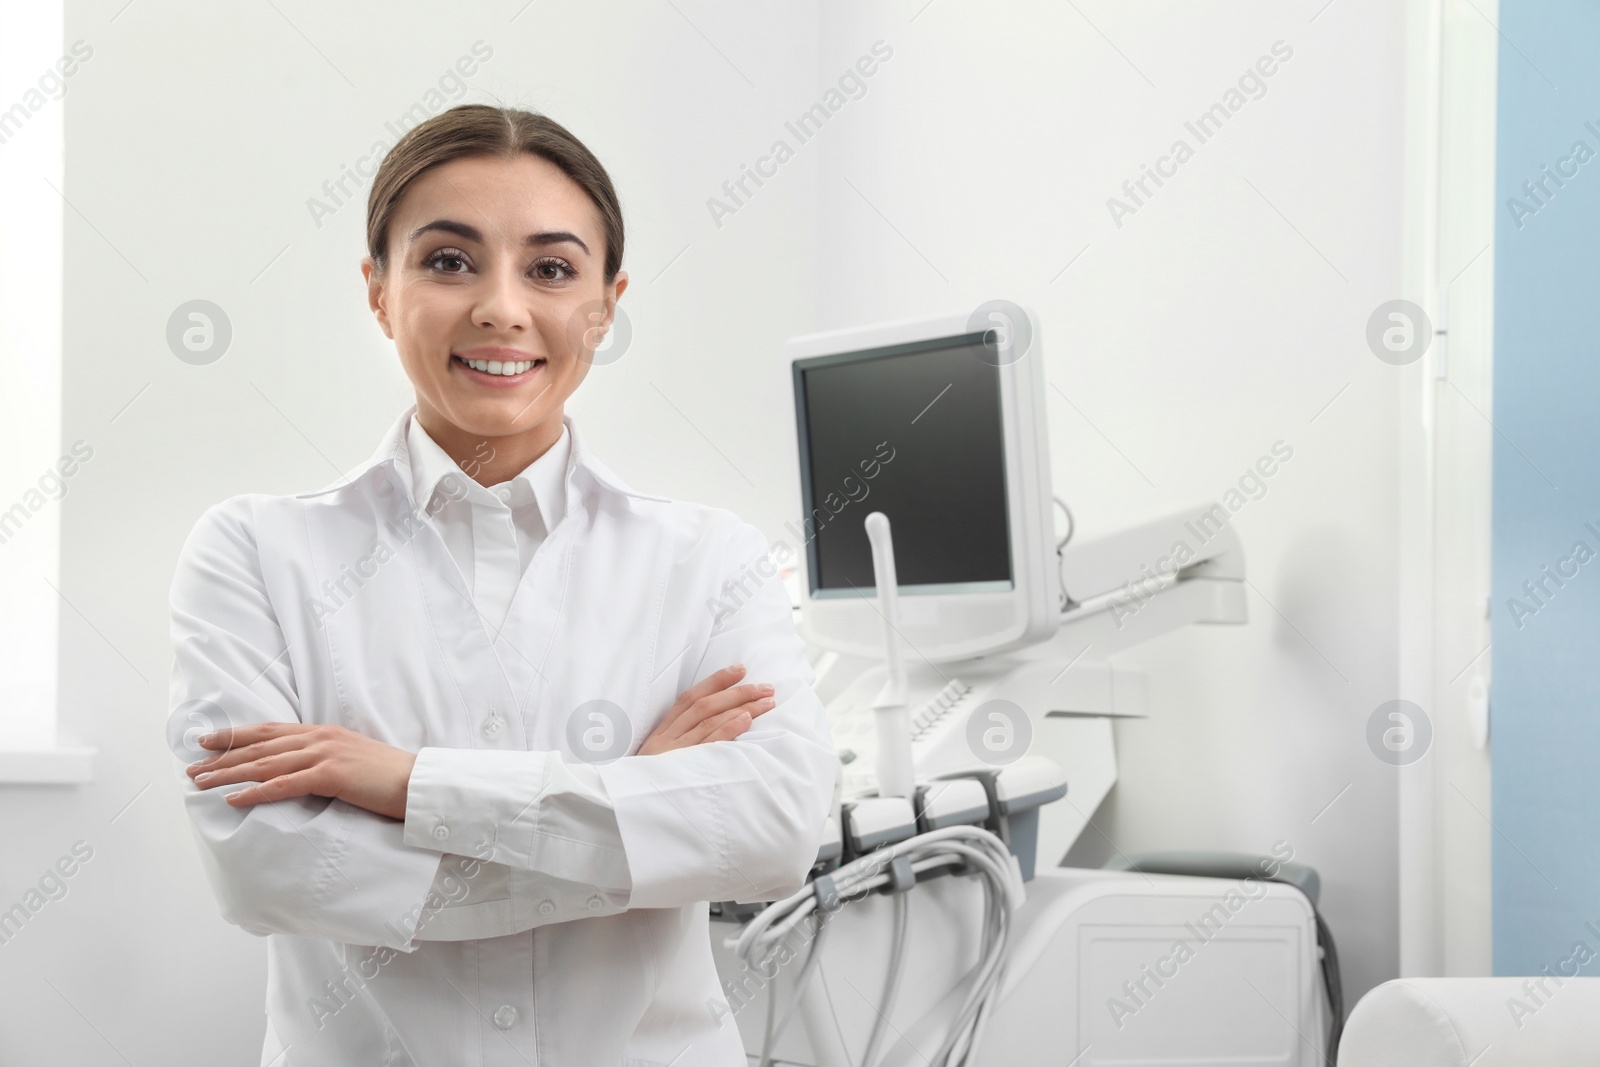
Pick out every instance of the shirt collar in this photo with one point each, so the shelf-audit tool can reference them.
(541, 483)
(585, 473)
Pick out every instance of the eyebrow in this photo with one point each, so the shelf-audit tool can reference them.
(471, 233)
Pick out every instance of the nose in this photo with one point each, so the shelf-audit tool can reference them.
(502, 304)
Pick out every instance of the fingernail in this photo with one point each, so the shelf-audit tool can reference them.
(764, 687)
(207, 737)
(202, 777)
(235, 796)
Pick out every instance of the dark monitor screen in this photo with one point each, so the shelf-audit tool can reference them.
(914, 431)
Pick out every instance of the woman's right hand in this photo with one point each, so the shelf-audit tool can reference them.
(716, 709)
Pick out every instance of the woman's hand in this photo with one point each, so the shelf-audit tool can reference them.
(714, 710)
(293, 759)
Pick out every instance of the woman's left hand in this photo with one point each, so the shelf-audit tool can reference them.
(294, 759)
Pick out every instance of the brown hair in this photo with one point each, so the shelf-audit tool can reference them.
(485, 130)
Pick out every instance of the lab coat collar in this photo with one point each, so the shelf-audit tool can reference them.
(541, 483)
(585, 471)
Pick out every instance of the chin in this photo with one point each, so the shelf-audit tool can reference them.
(517, 412)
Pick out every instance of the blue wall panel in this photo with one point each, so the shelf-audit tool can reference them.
(1546, 580)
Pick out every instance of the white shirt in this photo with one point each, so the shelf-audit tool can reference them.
(347, 606)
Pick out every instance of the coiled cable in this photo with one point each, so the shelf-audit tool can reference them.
(970, 848)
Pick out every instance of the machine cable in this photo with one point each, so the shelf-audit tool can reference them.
(953, 849)
(1061, 545)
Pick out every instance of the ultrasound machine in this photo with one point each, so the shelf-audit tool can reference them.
(964, 651)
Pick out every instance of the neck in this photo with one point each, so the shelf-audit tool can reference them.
(491, 460)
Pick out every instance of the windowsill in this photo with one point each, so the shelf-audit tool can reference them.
(63, 764)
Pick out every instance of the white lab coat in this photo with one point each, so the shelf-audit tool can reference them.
(344, 606)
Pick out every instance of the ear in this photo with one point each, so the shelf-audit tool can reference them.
(614, 292)
(598, 328)
(374, 280)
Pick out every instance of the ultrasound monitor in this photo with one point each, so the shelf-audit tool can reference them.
(939, 424)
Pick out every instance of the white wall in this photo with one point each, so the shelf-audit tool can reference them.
(1206, 328)
(1220, 318)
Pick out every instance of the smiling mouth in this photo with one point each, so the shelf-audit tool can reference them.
(498, 368)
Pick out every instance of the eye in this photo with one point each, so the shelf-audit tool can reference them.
(563, 270)
(446, 255)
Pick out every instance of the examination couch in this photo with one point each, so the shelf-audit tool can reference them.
(1484, 1022)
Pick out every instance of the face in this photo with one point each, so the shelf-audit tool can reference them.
(494, 295)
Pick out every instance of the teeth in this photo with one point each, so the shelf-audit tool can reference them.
(494, 366)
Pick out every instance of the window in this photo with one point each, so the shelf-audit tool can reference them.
(33, 476)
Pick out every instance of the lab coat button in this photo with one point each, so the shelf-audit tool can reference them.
(493, 726)
(546, 907)
(441, 831)
(505, 1016)
(595, 903)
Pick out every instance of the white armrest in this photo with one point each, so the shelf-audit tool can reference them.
(1485, 1022)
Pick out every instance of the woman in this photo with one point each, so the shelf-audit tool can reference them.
(475, 776)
